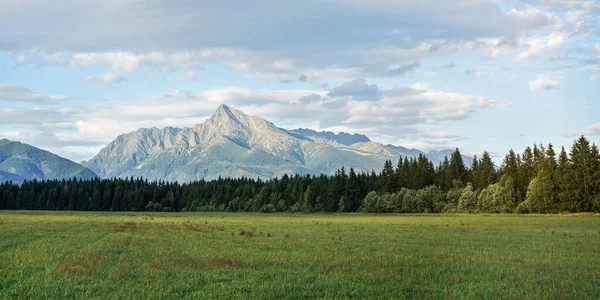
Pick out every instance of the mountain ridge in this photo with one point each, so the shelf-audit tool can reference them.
(341, 137)
(232, 144)
(20, 161)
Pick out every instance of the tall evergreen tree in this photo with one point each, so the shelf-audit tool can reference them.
(582, 183)
(457, 168)
(353, 192)
(387, 177)
(475, 172)
(486, 172)
(400, 177)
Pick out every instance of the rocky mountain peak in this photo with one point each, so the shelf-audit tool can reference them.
(227, 114)
(232, 143)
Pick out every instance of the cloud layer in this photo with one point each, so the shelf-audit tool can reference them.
(420, 73)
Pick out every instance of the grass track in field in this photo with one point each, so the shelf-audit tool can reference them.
(242, 255)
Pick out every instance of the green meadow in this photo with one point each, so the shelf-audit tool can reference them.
(242, 255)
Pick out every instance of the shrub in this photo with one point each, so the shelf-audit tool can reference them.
(268, 208)
(409, 201)
(371, 203)
(540, 195)
(452, 200)
(496, 198)
(468, 199)
(428, 197)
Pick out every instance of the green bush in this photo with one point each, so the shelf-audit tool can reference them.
(409, 202)
(430, 197)
(268, 208)
(468, 199)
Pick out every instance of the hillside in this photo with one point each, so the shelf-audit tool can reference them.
(20, 161)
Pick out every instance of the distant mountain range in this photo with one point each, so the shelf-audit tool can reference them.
(325, 136)
(229, 144)
(233, 144)
(19, 162)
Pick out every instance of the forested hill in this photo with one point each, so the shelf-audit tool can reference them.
(538, 180)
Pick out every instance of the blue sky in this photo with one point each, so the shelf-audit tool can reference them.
(478, 74)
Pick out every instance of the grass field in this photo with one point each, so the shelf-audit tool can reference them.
(239, 255)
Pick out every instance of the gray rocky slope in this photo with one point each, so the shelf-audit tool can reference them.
(233, 144)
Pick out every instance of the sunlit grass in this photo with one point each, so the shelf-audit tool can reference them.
(239, 255)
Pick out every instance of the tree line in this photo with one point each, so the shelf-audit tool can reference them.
(535, 181)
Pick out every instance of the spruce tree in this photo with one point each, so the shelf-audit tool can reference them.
(526, 169)
(551, 159)
(595, 178)
(353, 192)
(562, 183)
(457, 168)
(387, 177)
(582, 175)
(400, 180)
(475, 173)
(486, 174)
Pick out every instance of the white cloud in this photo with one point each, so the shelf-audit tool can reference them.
(111, 78)
(163, 61)
(106, 79)
(397, 113)
(188, 76)
(331, 37)
(183, 25)
(591, 5)
(592, 68)
(480, 72)
(542, 45)
(574, 16)
(593, 130)
(357, 89)
(10, 92)
(12, 135)
(544, 83)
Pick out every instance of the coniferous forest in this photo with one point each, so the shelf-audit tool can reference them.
(539, 180)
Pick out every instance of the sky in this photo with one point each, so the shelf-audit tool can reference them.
(480, 75)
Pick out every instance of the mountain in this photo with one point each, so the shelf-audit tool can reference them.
(341, 138)
(233, 144)
(20, 162)
(14, 178)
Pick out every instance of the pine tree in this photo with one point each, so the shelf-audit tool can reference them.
(117, 199)
(425, 172)
(407, 170)
(457, 168)
(510, 168)
(526, 169)
(353, 192)
(475, 173)
(443, 178)
(561, 180)
(595, 178)
(551, 159)
(486, 173)
(387, 177)
(400, 177)
(582, 175)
